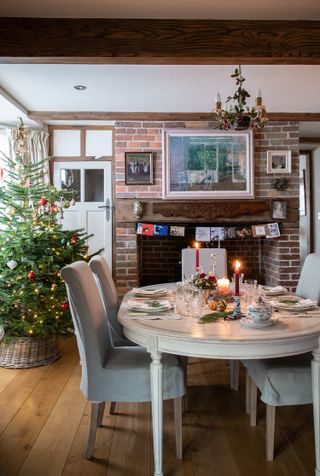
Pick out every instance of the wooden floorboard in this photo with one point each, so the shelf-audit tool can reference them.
(44, 423)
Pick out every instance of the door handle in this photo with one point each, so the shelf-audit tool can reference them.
(108, 206)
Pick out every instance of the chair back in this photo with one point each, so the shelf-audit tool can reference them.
(205, 262)
(309, 282)
(89, 319)
(103, 277)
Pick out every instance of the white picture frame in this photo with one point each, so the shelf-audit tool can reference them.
(207, 164)
(279, 162)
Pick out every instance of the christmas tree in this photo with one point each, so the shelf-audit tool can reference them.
(34, 248)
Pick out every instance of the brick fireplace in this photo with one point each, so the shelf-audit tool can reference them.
(141, 260)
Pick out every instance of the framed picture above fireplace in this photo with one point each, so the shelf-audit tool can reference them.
(203, 164)
(139, 168)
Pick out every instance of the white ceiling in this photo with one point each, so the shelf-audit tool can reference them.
(157, 88)
(153, 88)
(196, 9)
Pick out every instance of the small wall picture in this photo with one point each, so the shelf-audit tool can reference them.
(139, 168)
(279, 161)
(278, 209)
(258, 230)
(272, 230)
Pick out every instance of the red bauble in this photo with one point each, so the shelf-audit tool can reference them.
(43, 201)
(31, 275)
(74, 239)
(54, 208)
(64, 306)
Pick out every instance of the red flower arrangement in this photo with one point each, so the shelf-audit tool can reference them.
(204, 281)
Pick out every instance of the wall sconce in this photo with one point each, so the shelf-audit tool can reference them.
(138, 209)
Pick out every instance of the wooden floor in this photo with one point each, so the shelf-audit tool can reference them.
(44, 427)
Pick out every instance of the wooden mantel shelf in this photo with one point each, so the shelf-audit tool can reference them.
(206, 211)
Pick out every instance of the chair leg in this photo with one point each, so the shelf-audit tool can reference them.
(95, 410)
(234, 375)
(100, 413)
(270, 426)
(177, 409)
(112, 410)
(247, 393)
(253, 403)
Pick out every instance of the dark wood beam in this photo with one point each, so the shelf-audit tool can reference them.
(158, 116)
(309, 140)
(139, 41)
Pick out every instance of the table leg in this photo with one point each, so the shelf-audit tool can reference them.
(315, 372)
(157, 409)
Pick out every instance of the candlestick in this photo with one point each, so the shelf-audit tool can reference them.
(237, 278)
(213, 263)
(236, 309)
(197, 256)
(223, 285)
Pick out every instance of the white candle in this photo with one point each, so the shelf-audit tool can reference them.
(223, 285)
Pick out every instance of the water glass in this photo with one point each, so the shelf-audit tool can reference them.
(180, 307)
(196, 304)
(251, 289)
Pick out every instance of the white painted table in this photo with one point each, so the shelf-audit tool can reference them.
(222, 340)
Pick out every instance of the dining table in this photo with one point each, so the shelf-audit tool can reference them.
(292, 334)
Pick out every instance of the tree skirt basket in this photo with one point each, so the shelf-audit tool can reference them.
(27, 352)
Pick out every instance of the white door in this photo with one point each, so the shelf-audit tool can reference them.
(92, 185)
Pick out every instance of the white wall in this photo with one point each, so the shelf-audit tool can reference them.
(316, 199)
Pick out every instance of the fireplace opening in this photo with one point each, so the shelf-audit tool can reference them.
(160, 256)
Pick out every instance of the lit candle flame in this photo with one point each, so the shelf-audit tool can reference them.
(237, 265)
(196, 245)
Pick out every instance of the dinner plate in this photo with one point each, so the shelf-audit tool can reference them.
(295, 305)
(152, 306)
(277, 291)
(249, 323)
(150, 292)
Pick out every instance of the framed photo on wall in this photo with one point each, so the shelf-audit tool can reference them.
(258, 230)
(139, 168)
(278, 209)
(279, 162)
(204, 164)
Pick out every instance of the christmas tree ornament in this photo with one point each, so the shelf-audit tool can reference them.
(64, 306)
(74, 239)
(66, 204)
(63, 241)
(12, 211)
(31, 275)
(54, 287)
(54, 208)
(27, 183)
(43, 201)
(12, 264)
(72, 202)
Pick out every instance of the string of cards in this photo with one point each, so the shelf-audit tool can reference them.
(211, 233)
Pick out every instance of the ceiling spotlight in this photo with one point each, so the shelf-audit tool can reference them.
(80, 87)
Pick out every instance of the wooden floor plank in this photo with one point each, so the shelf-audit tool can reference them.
(24, 428)
(49, 453)
(76, 464)
(7, 376)
(217, 437)
(131, 446)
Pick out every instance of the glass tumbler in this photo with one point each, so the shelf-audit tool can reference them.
(196, 304)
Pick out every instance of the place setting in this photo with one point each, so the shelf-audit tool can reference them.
(151, 305)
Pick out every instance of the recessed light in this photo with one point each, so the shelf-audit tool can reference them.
(80, 87)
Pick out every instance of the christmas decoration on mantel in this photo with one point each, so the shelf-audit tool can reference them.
(34, 248)
(237, 115)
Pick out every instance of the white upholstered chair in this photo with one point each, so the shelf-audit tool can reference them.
(188, 261)
(108, 291)
(120, 374)
(283, 381)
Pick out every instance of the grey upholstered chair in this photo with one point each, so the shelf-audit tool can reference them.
(120, 374)
(108, 292)
(283, 381)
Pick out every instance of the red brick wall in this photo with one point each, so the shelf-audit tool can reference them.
(280, 256)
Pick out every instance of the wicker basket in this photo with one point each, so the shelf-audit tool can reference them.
(26, 352)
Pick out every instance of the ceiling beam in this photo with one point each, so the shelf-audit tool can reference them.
(139, 41)
(157, 116)
(12, 100)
